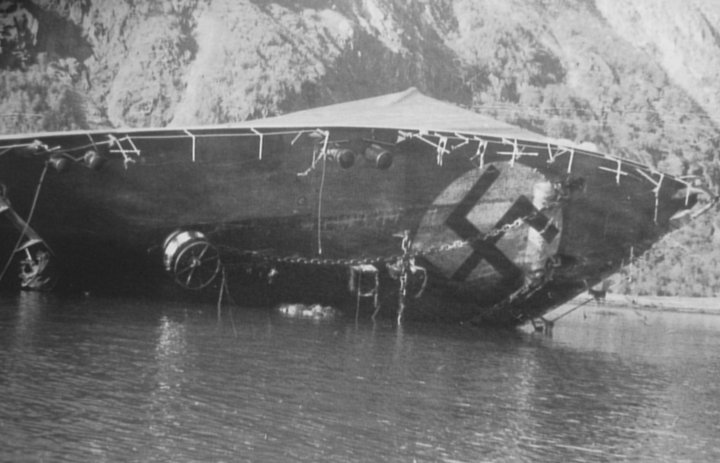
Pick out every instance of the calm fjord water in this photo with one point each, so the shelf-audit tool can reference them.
(106, 380)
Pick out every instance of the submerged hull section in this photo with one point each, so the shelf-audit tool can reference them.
(428, 224)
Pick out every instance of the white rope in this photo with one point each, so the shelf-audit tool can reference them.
(442, 143)
(517, 151)
(260, 149)
(320, 194)
(617, 171)
(658, 184)
(192, 137)
(481, 149)
(559, 152)
(127, 159)
(465, 141)
(296, 138)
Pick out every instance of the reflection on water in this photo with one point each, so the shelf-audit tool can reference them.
(97, 380)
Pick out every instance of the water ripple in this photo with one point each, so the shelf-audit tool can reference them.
(90, 380)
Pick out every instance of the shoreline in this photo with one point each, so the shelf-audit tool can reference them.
(707, 305)
(690, 305)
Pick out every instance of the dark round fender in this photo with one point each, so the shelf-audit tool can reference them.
(93, 159)
(379, 156)
(344, 157)
(59, 162)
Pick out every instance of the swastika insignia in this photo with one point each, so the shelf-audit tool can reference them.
(483, 244)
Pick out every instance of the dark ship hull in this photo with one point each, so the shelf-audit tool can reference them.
(356, 205)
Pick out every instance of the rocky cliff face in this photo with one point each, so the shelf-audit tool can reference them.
(637, 78)
(199, 62)
(683, 37)
(204, 61)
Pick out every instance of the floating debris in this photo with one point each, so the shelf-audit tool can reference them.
(303, 311)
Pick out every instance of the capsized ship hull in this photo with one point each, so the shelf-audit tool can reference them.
(399, 204)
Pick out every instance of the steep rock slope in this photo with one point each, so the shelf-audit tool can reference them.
(684, 38)
(570, 75)
(200, 62)
(259, 58)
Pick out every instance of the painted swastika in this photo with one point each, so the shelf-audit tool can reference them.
(484, 244)
(490, 222)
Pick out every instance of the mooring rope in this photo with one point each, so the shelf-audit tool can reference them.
(27, 221)
(225, 290)
(320, 198)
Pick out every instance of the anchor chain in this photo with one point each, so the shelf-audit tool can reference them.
(408, 253)
(530, 287)
(402, 269)
(459, 244)
(399, 266)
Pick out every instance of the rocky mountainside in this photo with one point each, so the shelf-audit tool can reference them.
(637, 78)
(683, 37)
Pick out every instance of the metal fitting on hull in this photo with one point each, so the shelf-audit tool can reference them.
(192, 260)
